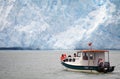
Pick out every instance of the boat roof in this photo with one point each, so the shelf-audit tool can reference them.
(94, 51)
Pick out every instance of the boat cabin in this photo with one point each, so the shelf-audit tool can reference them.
(86, 58)
(91, 57)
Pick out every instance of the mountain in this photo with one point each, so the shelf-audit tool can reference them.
(60, 24)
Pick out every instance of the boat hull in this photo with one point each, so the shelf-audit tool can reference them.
(95, 68)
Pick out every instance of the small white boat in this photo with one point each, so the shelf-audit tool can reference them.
(88, 60)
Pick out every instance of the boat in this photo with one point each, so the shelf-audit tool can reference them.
(88, 60)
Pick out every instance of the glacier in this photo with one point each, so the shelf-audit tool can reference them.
(60, 24)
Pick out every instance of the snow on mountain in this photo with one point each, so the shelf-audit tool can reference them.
(60, 24)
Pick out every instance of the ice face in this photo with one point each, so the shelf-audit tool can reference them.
(60, 24)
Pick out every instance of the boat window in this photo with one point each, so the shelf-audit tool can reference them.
(78, 54)
(91, 57)
(85, 56)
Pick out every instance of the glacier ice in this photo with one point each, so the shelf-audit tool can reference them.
(60, 24)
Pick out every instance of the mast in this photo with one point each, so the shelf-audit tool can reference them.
(90, 45)
(108, 56)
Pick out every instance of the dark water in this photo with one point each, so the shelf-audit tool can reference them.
(46, 65)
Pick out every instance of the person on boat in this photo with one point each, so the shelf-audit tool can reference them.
(100, 62)
(63, 57)
(75, 55)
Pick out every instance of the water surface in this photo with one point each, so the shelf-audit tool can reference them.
(25, 64)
